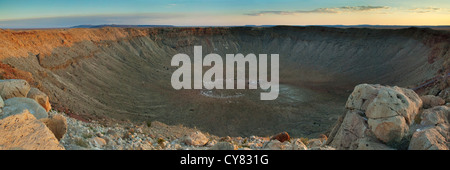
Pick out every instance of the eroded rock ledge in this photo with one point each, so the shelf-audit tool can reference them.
(24, 119)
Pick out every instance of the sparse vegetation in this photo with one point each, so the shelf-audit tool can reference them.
(81, 142)
(126, 135)
(86, 135)
(161, 141)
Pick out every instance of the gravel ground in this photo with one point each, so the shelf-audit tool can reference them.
(158, 136)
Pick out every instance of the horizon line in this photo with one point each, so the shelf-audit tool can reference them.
(249, 25)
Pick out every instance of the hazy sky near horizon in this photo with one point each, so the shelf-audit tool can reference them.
(66, 13)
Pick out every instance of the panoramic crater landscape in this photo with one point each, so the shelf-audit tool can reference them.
(115, 74)
(109, 87)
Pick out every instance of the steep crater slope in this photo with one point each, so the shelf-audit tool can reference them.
(124, 73)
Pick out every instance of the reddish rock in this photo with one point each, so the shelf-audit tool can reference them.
(283, 136)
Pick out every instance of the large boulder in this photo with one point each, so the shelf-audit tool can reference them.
(383, 101)
(428, 139)
(40, 97)
(57, 124)
(430, 101)
(373, 111)
(352, 127)
(433, 132)
(362, 96)
(24, 131)
(17, 105)
(434, 116)
(390, 129)
(391, 112)
(14, 88)
(394, 101)
(195, 139)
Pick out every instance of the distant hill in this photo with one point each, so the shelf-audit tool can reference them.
(443, 27)
(121, 26)
(386, 26)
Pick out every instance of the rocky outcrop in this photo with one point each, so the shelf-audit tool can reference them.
(432, 130)
(24, 131)
(394, 101)
(40, 97)
(17, 105)
(362, 96)
(430, 101)
(353, 127)
(434, 116)
(14, 88)
(445, 93)
(57, 124)
(24, 121)
(428, 139)
(384, 118)
(387, 110)
(391, 129)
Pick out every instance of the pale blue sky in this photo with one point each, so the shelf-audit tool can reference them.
(63, 13)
